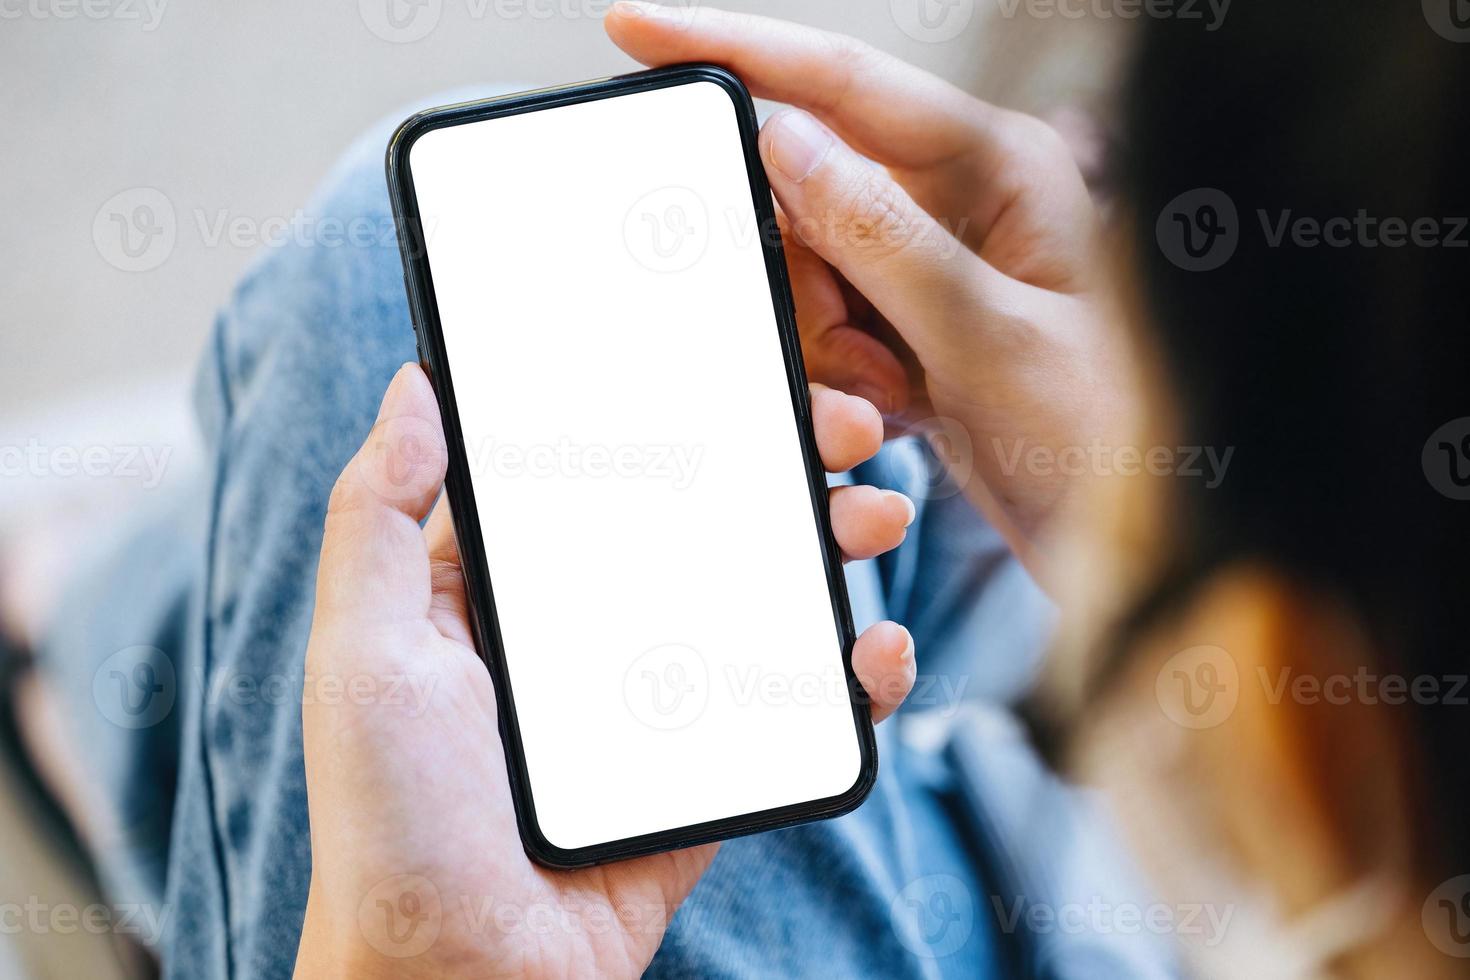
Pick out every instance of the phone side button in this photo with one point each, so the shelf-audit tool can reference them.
(418, 343)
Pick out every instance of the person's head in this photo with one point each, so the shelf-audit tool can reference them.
(1284, 666)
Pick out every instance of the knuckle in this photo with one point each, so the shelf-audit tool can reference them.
(1027, 133)
(848, 58)
(875, 216)
(1034, 148)
(351, 512)
(444, 575)
(1045, 139)
(851, 54)
(347, 493)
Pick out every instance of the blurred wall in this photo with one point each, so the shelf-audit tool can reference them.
(238, 108)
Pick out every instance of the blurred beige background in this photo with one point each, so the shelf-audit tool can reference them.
(241, 107)
(236, 110)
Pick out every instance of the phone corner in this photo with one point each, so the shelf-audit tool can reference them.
(539, 848)
(400, 143)
(862, 787)
(867, 776)
(721, 76)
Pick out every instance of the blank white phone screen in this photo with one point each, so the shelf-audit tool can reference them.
(655, 561)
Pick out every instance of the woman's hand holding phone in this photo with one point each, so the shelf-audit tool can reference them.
(959, 280)
(417, 865)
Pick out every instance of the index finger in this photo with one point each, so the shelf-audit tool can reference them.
(884, 108)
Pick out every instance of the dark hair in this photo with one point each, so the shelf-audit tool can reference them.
(1327, 367)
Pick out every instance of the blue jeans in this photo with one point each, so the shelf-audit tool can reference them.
(183, 657)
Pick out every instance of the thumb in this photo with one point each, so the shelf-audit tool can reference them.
(374, 563)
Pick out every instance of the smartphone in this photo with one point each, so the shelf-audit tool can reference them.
(601, 302)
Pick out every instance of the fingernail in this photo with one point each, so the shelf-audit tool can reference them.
(908, 651)
(798, 144)
(635, 8)
(913, 512)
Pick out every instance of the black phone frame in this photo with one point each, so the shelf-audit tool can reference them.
(418, 282)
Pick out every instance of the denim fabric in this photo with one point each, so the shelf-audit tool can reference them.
(290, 386)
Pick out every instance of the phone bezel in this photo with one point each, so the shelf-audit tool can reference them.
(418, 283)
